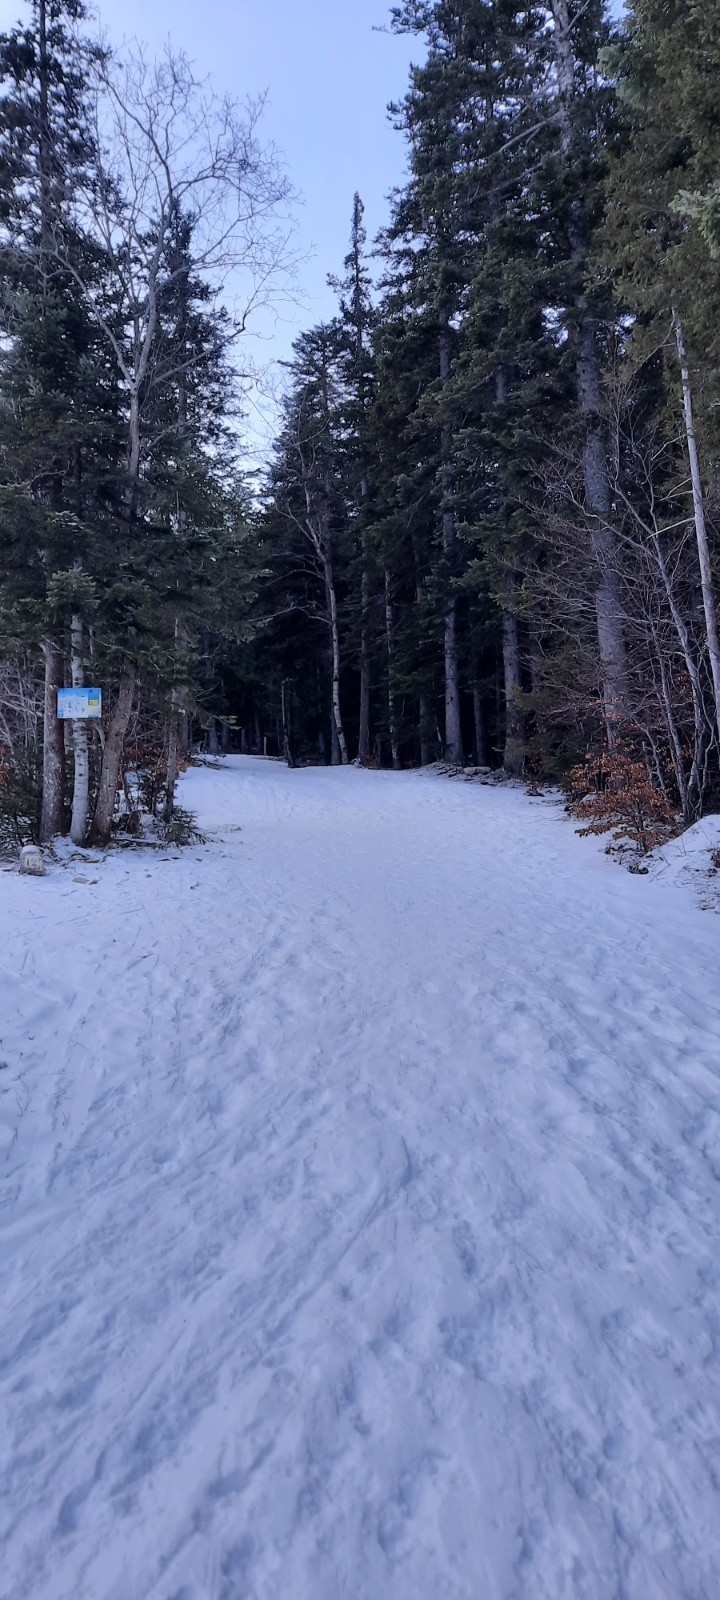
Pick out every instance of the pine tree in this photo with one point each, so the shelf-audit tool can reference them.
(308, 503)
(434, 227)
(663, 240)
(354, 328)
(53, 379)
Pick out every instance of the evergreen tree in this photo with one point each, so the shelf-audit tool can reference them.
(308, 503)
(354, 327)
(663, 241)
(57, 429)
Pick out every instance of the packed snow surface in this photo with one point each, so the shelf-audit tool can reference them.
(360, 1208)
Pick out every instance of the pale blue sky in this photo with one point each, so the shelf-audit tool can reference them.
(328, 76)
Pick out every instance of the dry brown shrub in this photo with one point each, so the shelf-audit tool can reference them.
(614, 793)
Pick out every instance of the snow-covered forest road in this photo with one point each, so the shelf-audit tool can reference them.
(359, 1209)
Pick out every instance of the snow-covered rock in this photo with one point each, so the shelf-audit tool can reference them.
(692, 860)
(31, 861)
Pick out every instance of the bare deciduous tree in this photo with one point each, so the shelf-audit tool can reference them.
(167, 145)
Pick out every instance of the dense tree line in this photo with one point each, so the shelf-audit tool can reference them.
(489, 530)
(491, 521)
(129, 194)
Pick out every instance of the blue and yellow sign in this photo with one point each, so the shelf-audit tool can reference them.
(79, 704)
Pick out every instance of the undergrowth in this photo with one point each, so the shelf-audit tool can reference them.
(614, 793)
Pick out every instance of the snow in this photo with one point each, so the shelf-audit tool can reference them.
(359, 1181)
(693, 859)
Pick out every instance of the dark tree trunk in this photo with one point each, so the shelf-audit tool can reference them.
(453, 729)
(481, 742)
(603, 539)
(112, 759)
(335, 754)
(390, 642)
(424, 716)
(481, 750)
(514, 720)
(172, 769)
(596, 474)
(364, 731)
(287, 728)
(212, 737)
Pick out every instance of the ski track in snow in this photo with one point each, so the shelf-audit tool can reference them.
(359, 1180)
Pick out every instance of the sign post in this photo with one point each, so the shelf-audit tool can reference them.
(79, 705)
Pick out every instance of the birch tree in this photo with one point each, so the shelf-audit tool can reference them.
(663, 247)
(45, 150)
(167, 146)
(308, 500)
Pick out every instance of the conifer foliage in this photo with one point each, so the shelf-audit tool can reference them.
(488, 532)
(128, 194)
(529, 571)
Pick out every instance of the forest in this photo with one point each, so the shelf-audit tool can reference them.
(359, 1117)
(487, 532)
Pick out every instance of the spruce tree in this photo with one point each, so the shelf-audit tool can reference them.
(308, 521)
(354, 326)
(663, 242)
(59, 405)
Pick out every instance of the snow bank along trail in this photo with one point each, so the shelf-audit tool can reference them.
(359, 1181)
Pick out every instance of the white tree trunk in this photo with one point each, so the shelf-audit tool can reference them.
(213, 740)
(177, 725)
(339, 732)
(52, 820)
(81, 758)
(703, 548)
(603, 540)
(172, 766)
(695, 779)
(676, 749)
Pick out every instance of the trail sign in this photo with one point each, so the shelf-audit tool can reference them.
(79, 704)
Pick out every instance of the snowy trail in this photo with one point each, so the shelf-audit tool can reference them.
(359, 1183)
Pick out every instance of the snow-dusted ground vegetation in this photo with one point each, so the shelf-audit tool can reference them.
(360, 1208)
